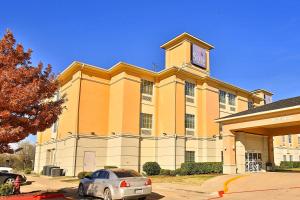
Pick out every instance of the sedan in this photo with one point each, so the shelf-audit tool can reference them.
(115, 184)
(6, 177)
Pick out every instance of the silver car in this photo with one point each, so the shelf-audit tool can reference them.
(115, 184)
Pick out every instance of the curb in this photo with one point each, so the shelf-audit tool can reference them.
(226, 183)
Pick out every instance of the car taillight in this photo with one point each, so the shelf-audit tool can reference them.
(148, 182)
(124, 184)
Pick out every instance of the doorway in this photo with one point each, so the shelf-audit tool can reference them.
(253, 162)
(89, 161)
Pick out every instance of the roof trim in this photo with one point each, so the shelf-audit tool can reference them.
(185, 36)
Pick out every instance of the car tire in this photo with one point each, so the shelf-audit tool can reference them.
(142, 198)
(10, 180)
(107, 194)
(80, 191)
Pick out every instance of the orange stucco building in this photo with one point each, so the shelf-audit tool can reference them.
(127, 115)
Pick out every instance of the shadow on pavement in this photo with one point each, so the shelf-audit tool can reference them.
(71, 193)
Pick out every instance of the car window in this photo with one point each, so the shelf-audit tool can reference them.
(127, 173)
(95, 174)
(103, 175)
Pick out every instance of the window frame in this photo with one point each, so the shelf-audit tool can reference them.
(148, 122)
(147, 87)
(189, 124)
(230, 102)
(220, 95)
(189, 156)
(189, 89)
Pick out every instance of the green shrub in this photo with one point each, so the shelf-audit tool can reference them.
(81, 175)
(290, 164)
(6, 189)
(192, 168)
(110, 167)
(165, 172)
(173, 173)
(151, 168)
(27, 171)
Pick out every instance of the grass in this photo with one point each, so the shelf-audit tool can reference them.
(189, 180)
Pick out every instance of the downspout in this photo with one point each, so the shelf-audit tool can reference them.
(77, 127)
(175, 135)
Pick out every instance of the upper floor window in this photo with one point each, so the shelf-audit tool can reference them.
(231, 99)
(189, 121)
(189, 89)
(147, 87)
(290, 139)
(250, 105)
(146, 120)
(222, 97)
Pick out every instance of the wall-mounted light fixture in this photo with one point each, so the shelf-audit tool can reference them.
(164, 134)
(225, 148)
(92, 133)
(113, 133)
(70, 133)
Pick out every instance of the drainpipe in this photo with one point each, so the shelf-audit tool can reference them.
(77, 127)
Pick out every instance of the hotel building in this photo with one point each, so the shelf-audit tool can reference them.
(128, 115)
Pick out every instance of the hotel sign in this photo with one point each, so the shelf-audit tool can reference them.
(198, 56)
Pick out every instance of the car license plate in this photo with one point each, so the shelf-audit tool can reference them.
(139, 191)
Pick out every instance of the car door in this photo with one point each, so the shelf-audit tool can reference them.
(101, 182)
(89, 183)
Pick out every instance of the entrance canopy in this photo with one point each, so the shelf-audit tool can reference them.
(278, 118)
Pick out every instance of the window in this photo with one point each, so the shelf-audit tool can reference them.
(231, 99)
(189, 121)
(189, 89)
(190, 156)
(250, 105)
(146, 120)
(103, 175)
(147, 87)
(126, 173)
(222, 97)
(283, 139)
(284, 157)
(291, 158)
(290, 139)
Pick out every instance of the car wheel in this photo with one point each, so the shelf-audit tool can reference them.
(81, 192)
(107, 194)
(10, 180)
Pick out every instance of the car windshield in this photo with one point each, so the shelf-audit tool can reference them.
(127, 173)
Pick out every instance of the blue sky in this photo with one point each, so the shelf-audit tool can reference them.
(257, 43)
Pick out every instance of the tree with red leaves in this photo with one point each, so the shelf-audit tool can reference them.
(27, 103)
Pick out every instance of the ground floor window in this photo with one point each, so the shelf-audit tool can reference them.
(190, 156)
(291, 157)
(284, 157)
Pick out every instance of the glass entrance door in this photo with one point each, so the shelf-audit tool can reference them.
(253, 161)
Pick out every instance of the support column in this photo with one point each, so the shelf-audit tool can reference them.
(229, 165)
(271, 150)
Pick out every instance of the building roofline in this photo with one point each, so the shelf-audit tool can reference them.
(76, 65)
(185, 36)
(262, 90)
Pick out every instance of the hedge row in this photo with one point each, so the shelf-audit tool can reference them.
(290, 164)
(190, 168)
(81, 175)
